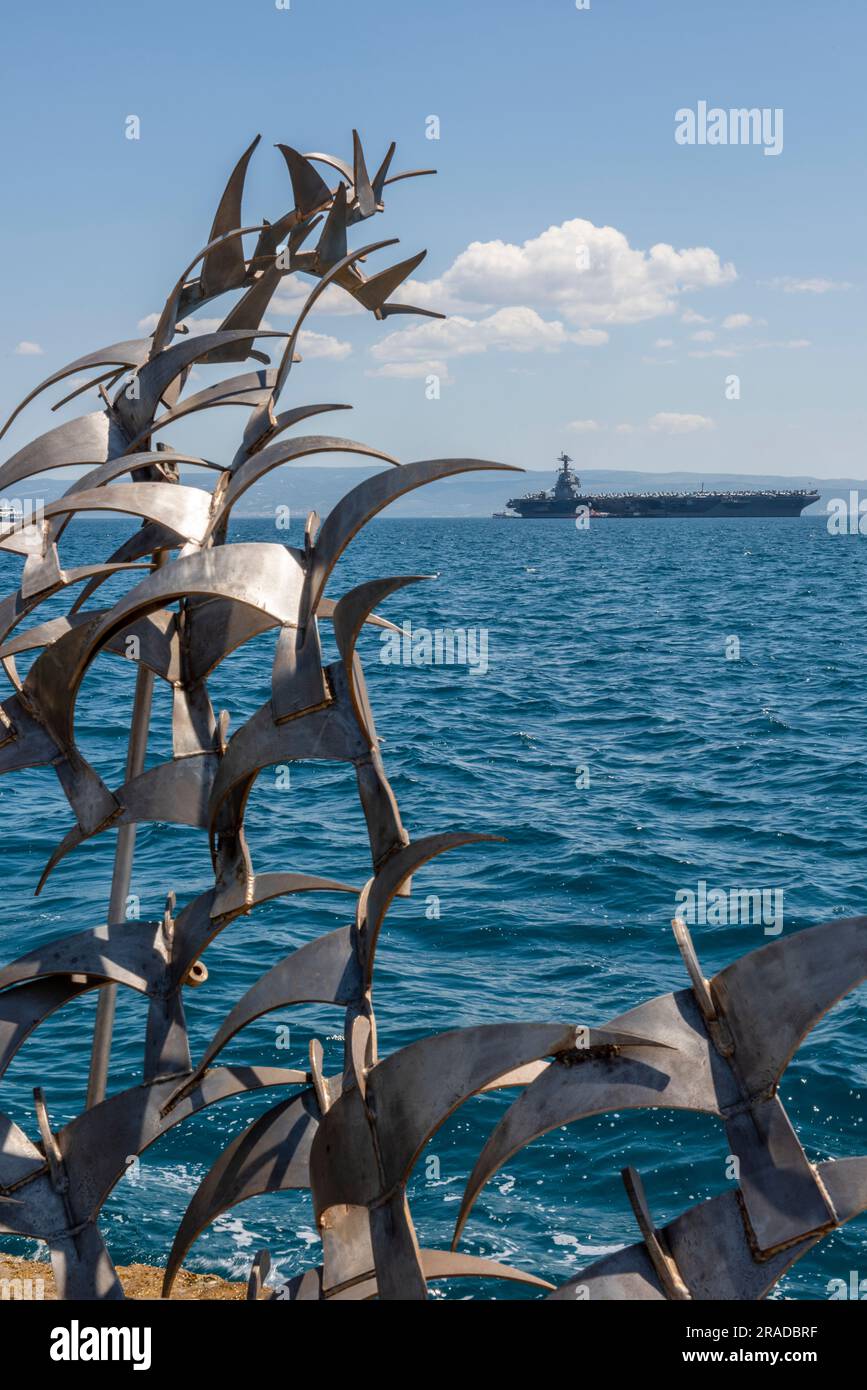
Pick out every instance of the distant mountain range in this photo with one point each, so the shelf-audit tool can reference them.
(480, 494)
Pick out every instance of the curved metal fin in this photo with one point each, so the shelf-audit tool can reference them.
(374, 292)
(127, 953)
(190, 295)
(309, 190)
(379, 178)
(323, 971)
(328, 278)
(772, 997)
(367, 499)
(332, 242)
(379, 892)
(131, 353)
(176, 792)
(410, 1094)
(23, 1009)
(184, 510)
(349, 616)
(608, 1075)
(97, 1144)
(287, 451)
(271, 1155)
(387, 311)
(364, 195)
(409, 174)
(249, 389)
(223, 267)
(84, 440)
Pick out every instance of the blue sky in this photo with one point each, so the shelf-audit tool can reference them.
(556, 132)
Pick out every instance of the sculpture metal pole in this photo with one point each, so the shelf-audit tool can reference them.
(121, 881)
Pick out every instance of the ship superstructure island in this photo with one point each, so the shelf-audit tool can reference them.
(566, 497)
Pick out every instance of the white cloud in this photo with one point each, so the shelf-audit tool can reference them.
(704, 335)
(407, 370)
(626, 429)
(515, 329)
(562, 288)
(584, 426)
(312, 345)
(690, 316)
(669, 422)
(26, 349)
(197, 328)
(737, 321)
(585, 274)
(289, 299)
(664, 343)
(818, 284)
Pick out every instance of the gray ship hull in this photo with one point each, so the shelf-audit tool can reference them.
(694, 504)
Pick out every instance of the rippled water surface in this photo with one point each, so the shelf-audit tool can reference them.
(607, 652)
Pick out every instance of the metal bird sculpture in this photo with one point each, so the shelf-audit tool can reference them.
(184, 598)
(705, 1254)
(723, 1046)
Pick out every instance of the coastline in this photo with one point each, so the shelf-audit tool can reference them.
(140, 1282)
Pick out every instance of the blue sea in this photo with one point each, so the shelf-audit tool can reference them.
(622, 755)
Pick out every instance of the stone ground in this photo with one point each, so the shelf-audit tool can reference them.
(139, 1281)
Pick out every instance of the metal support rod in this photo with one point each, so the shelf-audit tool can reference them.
(120, 883)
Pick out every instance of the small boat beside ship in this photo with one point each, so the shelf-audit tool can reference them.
(566, 497)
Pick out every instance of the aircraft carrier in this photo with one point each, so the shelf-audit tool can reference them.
(566, 497)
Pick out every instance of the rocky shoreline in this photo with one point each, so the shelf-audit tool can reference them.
(34, 1280)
